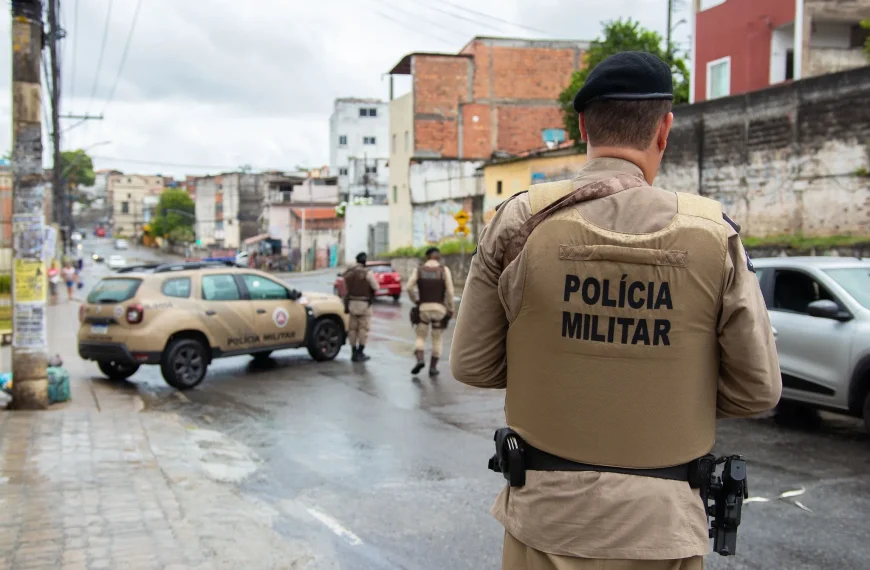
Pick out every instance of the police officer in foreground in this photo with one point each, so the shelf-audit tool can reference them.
(622, 319)
(431, 289)
(361, 285)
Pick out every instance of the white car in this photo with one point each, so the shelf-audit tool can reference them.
(116, 262)
(120, 244)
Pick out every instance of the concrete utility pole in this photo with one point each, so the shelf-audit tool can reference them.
(61, 206)
(670, 17)
(29, 380)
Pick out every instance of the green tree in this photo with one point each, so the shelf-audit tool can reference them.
(866, 25)
(622, 35)
(77, 168)
(175, 210)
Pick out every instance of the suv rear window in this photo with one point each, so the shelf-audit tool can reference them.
(380, 269)
(114, 290)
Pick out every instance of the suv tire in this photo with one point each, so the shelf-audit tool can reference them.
(117, 370)
(261, 356)
(326, 340)
(184, 363)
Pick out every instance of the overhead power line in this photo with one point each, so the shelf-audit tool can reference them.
(417, 16)
(223, 167)
(460, 17)
(497, 19)
(102, 52)
(124, 55)
(72, 75)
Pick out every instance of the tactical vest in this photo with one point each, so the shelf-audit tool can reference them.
(430, 284)
(358, 287)
(613, 356)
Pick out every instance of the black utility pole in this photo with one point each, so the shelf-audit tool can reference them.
(58, 184)
(670, 17)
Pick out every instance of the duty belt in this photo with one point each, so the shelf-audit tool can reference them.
(514, 457)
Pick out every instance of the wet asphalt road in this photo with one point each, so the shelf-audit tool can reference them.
(381, 470)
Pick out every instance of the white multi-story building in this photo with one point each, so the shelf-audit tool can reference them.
(359, 147)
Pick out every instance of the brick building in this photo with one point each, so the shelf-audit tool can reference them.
(495, 95)
(745, 45)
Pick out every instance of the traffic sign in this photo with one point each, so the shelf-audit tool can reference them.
(462, 231)
(461, 217)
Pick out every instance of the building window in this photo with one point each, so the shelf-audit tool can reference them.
(125, 207)
(342, 140)
(367, 112)
(395, 194)
(789, 64)
(498, 187)
(394, 142)
(368, 140)
(719, 78)
(371, 169)
(342, 171)
(406, 141)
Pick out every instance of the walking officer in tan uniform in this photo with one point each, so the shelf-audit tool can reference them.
(361, 286)
(622, 319)
(431, 289)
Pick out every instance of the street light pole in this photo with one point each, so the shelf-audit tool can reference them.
(29, 379)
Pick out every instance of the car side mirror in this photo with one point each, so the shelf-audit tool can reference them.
(827, 309)
(294, 294)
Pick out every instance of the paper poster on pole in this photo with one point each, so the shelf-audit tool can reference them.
(28, 231)
(30, 282)
(29, 325)
(50, 244)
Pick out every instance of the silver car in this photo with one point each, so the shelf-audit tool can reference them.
(820, 310)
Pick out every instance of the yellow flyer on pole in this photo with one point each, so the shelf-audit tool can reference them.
(30, 282)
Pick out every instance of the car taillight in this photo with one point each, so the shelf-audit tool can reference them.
(81, 313)
(135, 313)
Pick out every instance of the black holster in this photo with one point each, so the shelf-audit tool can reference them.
(508, 458)
(415, 315)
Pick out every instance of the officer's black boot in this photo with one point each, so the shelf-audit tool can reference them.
(420, 363)
(355, 356)
(360, 355)
(433, 367)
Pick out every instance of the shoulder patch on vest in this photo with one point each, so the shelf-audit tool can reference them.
(542, 195)
(511, 198)
(731, 222)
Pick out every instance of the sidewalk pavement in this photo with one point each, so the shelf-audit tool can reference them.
(101, 482)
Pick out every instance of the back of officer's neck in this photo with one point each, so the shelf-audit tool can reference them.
(643, 159)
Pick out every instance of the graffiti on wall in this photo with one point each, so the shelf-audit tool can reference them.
(434, 222)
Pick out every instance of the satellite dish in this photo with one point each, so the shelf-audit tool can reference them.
(553, 137)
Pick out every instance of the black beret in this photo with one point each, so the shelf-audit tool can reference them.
(629, 75)
(432, 250)
(361, 257)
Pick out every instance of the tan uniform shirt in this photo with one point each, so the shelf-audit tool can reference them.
(411, 288)
(610, 515)
(359, 308)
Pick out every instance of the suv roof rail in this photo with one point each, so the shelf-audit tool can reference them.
(188, 265)
(132, 268)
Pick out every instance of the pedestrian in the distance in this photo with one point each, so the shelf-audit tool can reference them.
(360, 286)
(70, 277)
(622, 319)
(431, 289)
(53, 280)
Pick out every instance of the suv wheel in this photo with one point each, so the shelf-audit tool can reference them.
(326, 340)
(117, 370)
(261, 356)
(184, 363)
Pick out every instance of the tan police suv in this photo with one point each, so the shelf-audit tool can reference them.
(183, 315)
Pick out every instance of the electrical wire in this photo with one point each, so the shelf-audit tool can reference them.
(497, 19)
(124, 55)
(100, 58)
(405, 26)
(72, 75)
(416, 16)
(460, 17)
(180, 165)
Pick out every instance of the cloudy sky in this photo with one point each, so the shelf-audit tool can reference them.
(211, 85)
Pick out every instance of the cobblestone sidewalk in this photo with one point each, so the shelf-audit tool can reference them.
(127, 489)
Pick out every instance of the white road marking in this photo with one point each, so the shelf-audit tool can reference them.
(795, 493)
(756, 500)
(802, 506)
(335, 526)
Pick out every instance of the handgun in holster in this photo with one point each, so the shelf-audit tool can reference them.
(508, 458)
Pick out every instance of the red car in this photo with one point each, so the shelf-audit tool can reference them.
(100, 232)
(389, 280)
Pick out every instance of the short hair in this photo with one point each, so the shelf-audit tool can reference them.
(361, 257)
(622, 123)
(432, 250)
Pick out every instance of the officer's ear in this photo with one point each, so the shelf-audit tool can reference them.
(664, 131)
(583, 133)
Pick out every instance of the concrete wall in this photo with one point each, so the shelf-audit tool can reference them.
(131, 189)
(357, 219)
(346, 121)
(398, 195)
(204, 209)
(783, 160)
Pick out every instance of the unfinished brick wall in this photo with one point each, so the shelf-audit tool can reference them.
(519, 127)
(530, 73)
(436, 136)
(476, 138)
(440, 84)
(786, 160)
